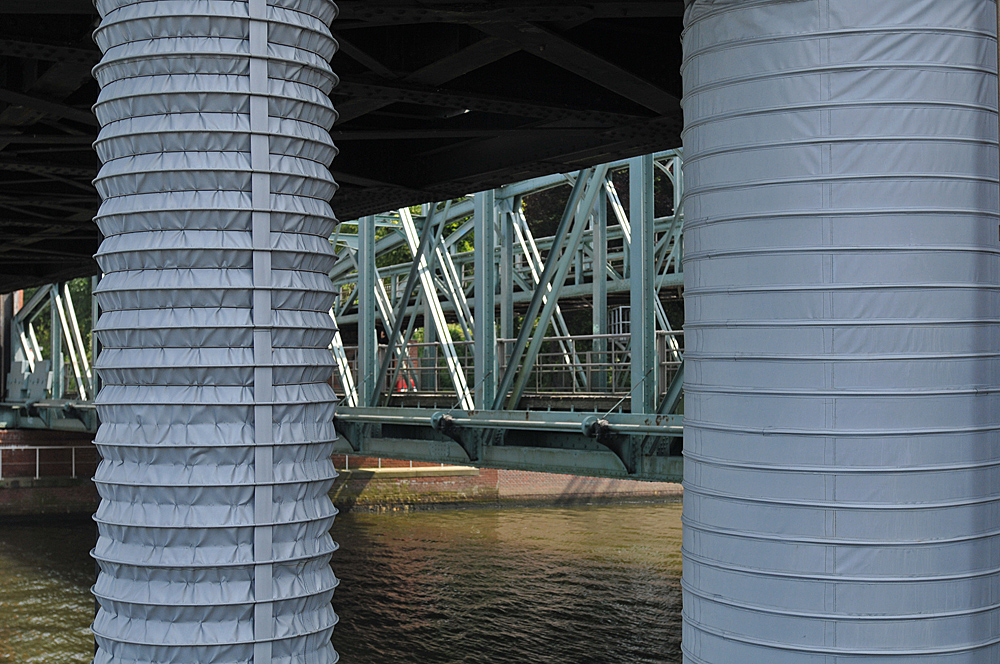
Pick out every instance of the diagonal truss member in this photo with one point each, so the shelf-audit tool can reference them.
(436, 312)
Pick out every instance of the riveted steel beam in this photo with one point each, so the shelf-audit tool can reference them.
(49, 52)
(643, 286)
(455, 369)
(485, 299)
(599, 276)
(576, 216)
(54, 109)
(425, 96)
(558, 50)
(538, 297)
(377, 13)
(367, 340)
(506, 219)
(396, 343)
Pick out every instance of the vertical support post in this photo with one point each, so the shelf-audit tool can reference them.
(643, 293)
(485, 299)
(6, 340)
(507, 272)
(38, 464)
(73, 475)
(507, 279)
(578, 267)
(430, 381)
(55, 332)
(367, 340)
(599, 225)
(77, 337)
(267, 416)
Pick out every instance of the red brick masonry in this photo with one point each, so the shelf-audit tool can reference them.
(51, 462)
(41, 438)
(47, 497)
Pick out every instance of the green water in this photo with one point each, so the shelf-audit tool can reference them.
(45, 603)
(543, 585)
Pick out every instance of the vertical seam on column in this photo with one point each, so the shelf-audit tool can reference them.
(263, 380)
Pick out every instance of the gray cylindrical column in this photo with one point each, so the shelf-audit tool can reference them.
(842, 284)
(216, 415)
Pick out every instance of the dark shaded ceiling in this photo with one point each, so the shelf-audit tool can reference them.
(437, 99)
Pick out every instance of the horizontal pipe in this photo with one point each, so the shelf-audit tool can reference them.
(566, 426)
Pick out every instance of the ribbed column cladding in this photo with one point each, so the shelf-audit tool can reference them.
(842, 472)
(216, 417)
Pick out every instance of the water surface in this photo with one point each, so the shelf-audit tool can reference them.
(45, 603)
(567, 585)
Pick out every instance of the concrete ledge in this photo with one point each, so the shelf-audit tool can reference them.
(407, 473)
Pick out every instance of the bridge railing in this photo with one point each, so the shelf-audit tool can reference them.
(583, 365)
(26, 461)
(593, 364)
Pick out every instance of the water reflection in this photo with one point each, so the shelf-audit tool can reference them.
(554, 586)
(45, 603)
(549, 586)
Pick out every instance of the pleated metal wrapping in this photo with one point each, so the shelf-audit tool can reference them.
(216, 415)
(842, 285)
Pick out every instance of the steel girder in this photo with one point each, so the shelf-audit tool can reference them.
(484, 426)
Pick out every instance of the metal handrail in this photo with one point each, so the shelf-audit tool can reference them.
(552, 374)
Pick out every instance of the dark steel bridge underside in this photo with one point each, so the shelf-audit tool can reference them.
(437, 99)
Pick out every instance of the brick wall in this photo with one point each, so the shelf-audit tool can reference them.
(50, 462)
(65, 497)
(40, 438)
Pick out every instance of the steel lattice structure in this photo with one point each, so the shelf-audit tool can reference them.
(480, 388)
(444, 384)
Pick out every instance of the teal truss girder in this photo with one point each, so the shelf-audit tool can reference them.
(467, 353)
(458, 342)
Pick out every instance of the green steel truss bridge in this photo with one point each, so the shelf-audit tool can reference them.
(457, 343)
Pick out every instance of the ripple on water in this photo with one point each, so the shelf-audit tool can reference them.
(551, 586)
(544, 585)
(45, 603)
